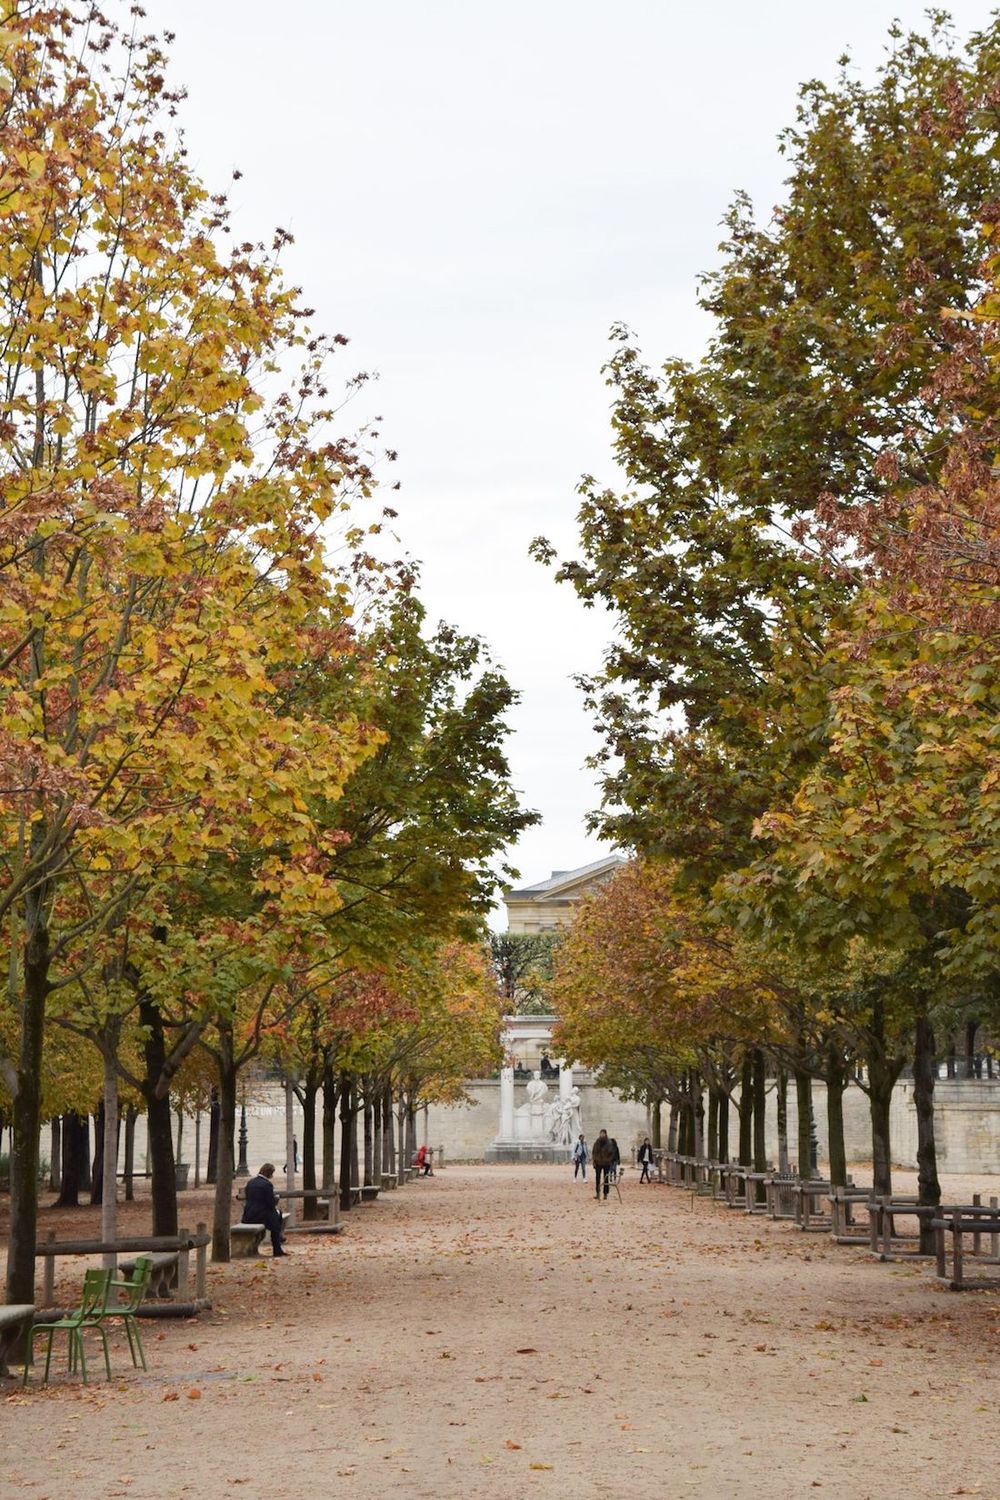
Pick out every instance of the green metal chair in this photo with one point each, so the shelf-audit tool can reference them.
(90, 1314)
(136, 1286)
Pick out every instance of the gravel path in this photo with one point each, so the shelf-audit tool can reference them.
(494, 1332)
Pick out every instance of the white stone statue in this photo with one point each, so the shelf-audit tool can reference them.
(531, 1118)
(564, 1118)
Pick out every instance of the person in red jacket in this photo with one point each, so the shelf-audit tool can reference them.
(424, 1159)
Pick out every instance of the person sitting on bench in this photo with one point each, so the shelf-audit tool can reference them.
(260, 1205)
(424, 1159)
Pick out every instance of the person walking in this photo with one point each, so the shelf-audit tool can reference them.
(616, 1160)
(645, 1159)
(260, 1205)
(580, 1158)
(602, 1156)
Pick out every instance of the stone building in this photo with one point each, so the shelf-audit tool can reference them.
(549, 904)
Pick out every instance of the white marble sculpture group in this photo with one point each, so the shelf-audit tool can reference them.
(540, 1120)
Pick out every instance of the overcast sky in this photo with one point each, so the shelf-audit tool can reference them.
(477, 192)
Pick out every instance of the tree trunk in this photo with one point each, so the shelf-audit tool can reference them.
(213, 1138)
(723, 1125)
(928, 1185)
(402, 1161)
(698, 1114)
(781, 1099)
(109, 1159)
(179, 1152)
(55, 1155)
(836, 1082)
(129, 1164)
(330, 1099)
(310, 1090)
(158, 1122)
(971, 1065)
(27, 1105)
(72, 1150)
(388, 1134)
(347, 1122)
(377, 1140)
(804, 1133)
(86, 1170)
(746, 1111)
(673, 1126)
(369, 1138)
(759, 1119)
(411, 1129)
(97, 1174)
(880, 1100)
(713, 1123)
(656, 1122)
(224, 1162)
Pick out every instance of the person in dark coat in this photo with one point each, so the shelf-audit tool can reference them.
(616, 1160)
(645, 1159)
(260, 1205)
(602, 1155)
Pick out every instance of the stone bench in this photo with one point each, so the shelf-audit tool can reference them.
(245, 1239)
(163, 1274)
(15, 1321)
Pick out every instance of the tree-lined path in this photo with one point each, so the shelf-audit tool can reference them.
(493, 1332)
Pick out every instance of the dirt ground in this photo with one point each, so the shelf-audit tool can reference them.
(494, 1332)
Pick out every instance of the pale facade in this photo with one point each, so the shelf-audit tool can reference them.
(550, 904)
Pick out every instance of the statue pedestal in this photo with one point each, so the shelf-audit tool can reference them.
(527, 1151)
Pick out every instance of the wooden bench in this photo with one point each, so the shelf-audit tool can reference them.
(171, 1257)
(845, 1229)
(809, 1196)
(953, 1224)
(15, 1324)
(717, 1179)
(734, 1185)
(755, 1192)
(886, 1240)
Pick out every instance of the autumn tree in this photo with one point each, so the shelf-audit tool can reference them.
(160, 533)
(655, 993)
(523, 964)
(827, 326)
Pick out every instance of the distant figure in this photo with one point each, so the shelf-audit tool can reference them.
(580, 1158)
(424, 1161)
(295, 1156)
(645, 1159)
(602, 1156)
(616, 1160)
(260, 1205)
(546, 1066)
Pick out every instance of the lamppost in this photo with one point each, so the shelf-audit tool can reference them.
(242, 1170)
